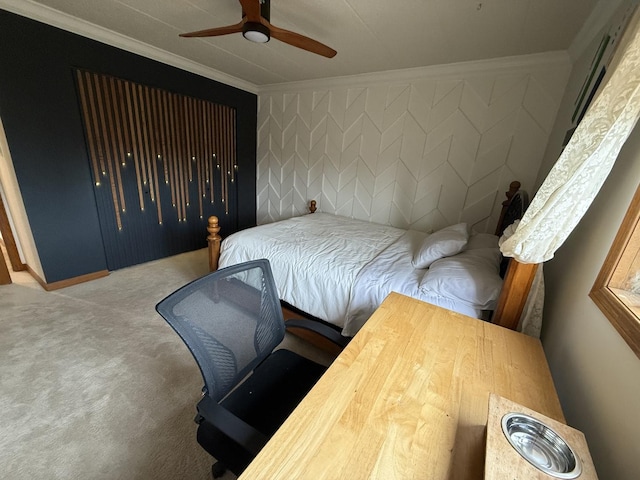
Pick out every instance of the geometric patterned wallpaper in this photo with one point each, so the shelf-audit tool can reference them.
(427, 149)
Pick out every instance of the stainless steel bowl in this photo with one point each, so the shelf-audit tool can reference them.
(541, 446)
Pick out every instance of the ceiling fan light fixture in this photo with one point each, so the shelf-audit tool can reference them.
(255, 32)
(256, 27)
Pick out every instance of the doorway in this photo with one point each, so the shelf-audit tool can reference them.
(10, 255)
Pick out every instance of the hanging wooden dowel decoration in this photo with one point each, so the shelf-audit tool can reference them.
(117, 114)
(84, 100)
(113, 153)
(177, 146)
(154, 148)
(134, 146)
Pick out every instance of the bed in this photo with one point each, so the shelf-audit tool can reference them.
(338, 269)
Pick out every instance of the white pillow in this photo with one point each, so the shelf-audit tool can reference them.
(471, 277)
(443, 243)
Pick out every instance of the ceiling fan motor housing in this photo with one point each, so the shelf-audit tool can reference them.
(256, 32)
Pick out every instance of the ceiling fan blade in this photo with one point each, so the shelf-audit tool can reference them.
(251, 9)
(215, 32)
(301, 41)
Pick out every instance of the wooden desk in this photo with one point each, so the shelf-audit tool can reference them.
(408, 398)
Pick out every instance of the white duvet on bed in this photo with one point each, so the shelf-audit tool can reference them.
(317, 283)
(392, 271)
(356, 264)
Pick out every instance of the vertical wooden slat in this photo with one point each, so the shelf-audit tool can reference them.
(227, 159)
(114, 157)
(180, 156)
(95, 105)
(146, 147)
(126, 152)
(131, 108)
(201, 153)
(155, 148)
(185, 159)
(209, 156)
(162, 121)
(142, 157)
(121, 153)
(230, 172)
(100, 102)
(219, 151)
(229, 135)
(84, 100)
(170, 146)
(234, 153)
(223, 160)
(190, 136)
(96, 127)
(213, 159)
(146, 134)
(174, 153)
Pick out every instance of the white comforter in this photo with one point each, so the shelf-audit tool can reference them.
(335, 268)
(392, 271)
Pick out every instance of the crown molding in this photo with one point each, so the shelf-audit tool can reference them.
(56, 18)
(515, 64)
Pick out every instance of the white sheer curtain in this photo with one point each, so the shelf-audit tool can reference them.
(583, 166)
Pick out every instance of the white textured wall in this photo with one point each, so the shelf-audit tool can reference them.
(419, 148)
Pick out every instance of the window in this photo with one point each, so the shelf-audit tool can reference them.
(616, 290)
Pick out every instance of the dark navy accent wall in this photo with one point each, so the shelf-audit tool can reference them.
(43, 124)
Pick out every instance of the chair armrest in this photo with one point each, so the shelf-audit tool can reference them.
(232, 426)
(319, 328)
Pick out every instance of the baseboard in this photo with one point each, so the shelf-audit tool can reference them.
(67, 282)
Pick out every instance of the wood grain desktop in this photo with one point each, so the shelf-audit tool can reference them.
(408, 398)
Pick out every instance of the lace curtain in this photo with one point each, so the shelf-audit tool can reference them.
(586, 161)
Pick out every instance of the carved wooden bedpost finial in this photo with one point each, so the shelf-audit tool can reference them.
(513, 189)
(213, 239)
(312, 206)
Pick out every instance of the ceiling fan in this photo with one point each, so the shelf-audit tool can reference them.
(255, 26)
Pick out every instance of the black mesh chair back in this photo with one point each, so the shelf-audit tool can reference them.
(232, 322)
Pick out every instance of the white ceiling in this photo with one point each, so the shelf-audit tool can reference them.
(369, 35)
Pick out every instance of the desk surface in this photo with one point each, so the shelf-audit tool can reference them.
(408, 398)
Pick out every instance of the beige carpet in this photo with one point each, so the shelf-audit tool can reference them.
(94, 384)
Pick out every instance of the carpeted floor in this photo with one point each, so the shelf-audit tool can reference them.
(94, 384)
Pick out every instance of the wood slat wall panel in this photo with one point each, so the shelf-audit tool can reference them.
(161, 163)
(172, 139)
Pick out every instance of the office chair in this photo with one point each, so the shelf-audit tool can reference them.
(232, 322)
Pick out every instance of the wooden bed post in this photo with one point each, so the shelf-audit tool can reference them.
(513, 189)
(213, 239)
(517, 281)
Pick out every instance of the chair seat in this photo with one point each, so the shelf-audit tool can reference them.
(264, 400)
